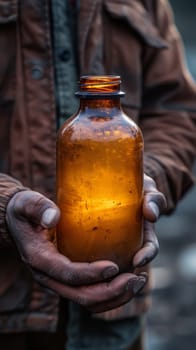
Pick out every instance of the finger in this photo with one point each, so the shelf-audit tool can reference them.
(150, 246)
(45, 257)
(127, 293)
(35, 207)
(98, 297)
(39, 253)
(154, 202)
(132, 288)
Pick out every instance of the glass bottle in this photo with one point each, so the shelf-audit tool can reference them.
(100, 177)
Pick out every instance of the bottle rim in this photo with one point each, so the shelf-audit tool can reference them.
(99, 86)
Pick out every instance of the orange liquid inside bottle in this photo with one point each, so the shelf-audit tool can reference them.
(100, 178)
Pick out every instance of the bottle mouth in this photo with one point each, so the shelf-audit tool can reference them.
(100, 85)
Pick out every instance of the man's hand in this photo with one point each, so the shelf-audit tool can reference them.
(97, 285)
(154, 205)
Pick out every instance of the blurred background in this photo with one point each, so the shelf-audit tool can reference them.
(171, 323)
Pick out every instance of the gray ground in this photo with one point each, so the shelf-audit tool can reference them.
(172, 319)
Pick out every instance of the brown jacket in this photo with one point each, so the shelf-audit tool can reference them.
(132, 38)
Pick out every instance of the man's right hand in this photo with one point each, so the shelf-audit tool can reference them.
(97, 285)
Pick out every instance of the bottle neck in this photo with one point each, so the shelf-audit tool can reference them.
(100, 92)
(100, 103)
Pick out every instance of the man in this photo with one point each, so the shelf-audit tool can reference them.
(134, 39)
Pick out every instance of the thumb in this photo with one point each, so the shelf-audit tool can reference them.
(154, 203)
(35, 207)
(50, 217)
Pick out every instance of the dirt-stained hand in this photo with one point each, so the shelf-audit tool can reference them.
(154, 204)
(97, 285)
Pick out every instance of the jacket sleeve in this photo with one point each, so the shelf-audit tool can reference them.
(168, 116)
(8, 187)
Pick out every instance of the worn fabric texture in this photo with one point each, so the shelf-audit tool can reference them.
(134, 39)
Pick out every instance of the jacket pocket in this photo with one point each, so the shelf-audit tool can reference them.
(133, 13)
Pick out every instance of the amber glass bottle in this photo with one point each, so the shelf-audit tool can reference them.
(100, 177)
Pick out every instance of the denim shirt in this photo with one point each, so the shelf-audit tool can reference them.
(64, 31)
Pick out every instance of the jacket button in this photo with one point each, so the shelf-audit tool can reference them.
(37, 72)
(64, 55)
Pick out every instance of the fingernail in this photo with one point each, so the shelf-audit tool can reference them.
(142, 262)
(48, 217)
(143, 274)
(110, 272)
(130, 283)
(139, 284)
(155, 209)
(136, 284)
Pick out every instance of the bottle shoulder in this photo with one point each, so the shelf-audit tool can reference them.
(101, 127)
